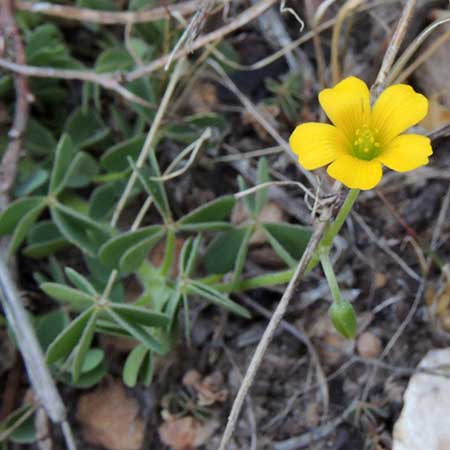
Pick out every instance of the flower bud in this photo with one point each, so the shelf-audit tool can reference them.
(343, 317)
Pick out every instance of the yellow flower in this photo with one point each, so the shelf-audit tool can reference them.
(361, 139)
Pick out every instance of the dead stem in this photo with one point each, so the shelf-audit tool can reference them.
(108, 17)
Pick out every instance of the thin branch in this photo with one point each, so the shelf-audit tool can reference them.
(108, 17)
(394, 46)
(106, 81)
(17, 131)
(31, 352)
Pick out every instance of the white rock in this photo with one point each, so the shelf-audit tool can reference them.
(424, 423)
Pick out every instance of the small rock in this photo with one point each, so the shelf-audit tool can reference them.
(369, 345)
(110, 418)
(424, 423)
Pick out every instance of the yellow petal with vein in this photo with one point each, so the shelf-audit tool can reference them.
(347, 105)
(398, 108)
(317, 144)
(356, 173)
(406, 152)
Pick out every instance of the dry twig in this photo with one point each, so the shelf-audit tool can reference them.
(17, 131)
(393, 48)
(108, 17)
(106, 81)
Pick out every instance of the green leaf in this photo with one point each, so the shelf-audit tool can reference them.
(44, 249)
(214, 211)
(9, 426)
(103, 200)
(112, 60)
(280, 251)
(24, 225)
(85, 127)
(112, 251)
(143, 87)
(292, 238)
(115, 159)
(136, 314)
(171, 306)
(133, 365)
(11, 216)
(78, 300)
(94, 357)
(221, 255)
(69, 338)
(33, 182)
(43, 231)
(38, 139)
(191, 127)
(65, 152)
(80, 282)
(153, 187)
(44, 239)
(217, 298)
(206, 226)
(187, 319)
(24, 433)
(188, 256)
(136, 254)
(147, 370)
(81, 171)
(49, 325)
(137, 331)
(242, 254)
(87, 379)
(205, 120)
(250, 200)
(82, 219)
(84, 345)
(74, 232)
(263, 177)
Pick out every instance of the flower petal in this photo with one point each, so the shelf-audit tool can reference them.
(356, 173)
(347, 105)
(406, 152)
(316, 144)
(398, 108)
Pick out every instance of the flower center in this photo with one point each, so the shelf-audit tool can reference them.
(365, 144)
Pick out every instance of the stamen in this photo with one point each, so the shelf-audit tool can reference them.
(365, 145)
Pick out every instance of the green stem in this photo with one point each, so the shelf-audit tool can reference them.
(169, 252)
(268, 279)
(330, 276)
(334, 228)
